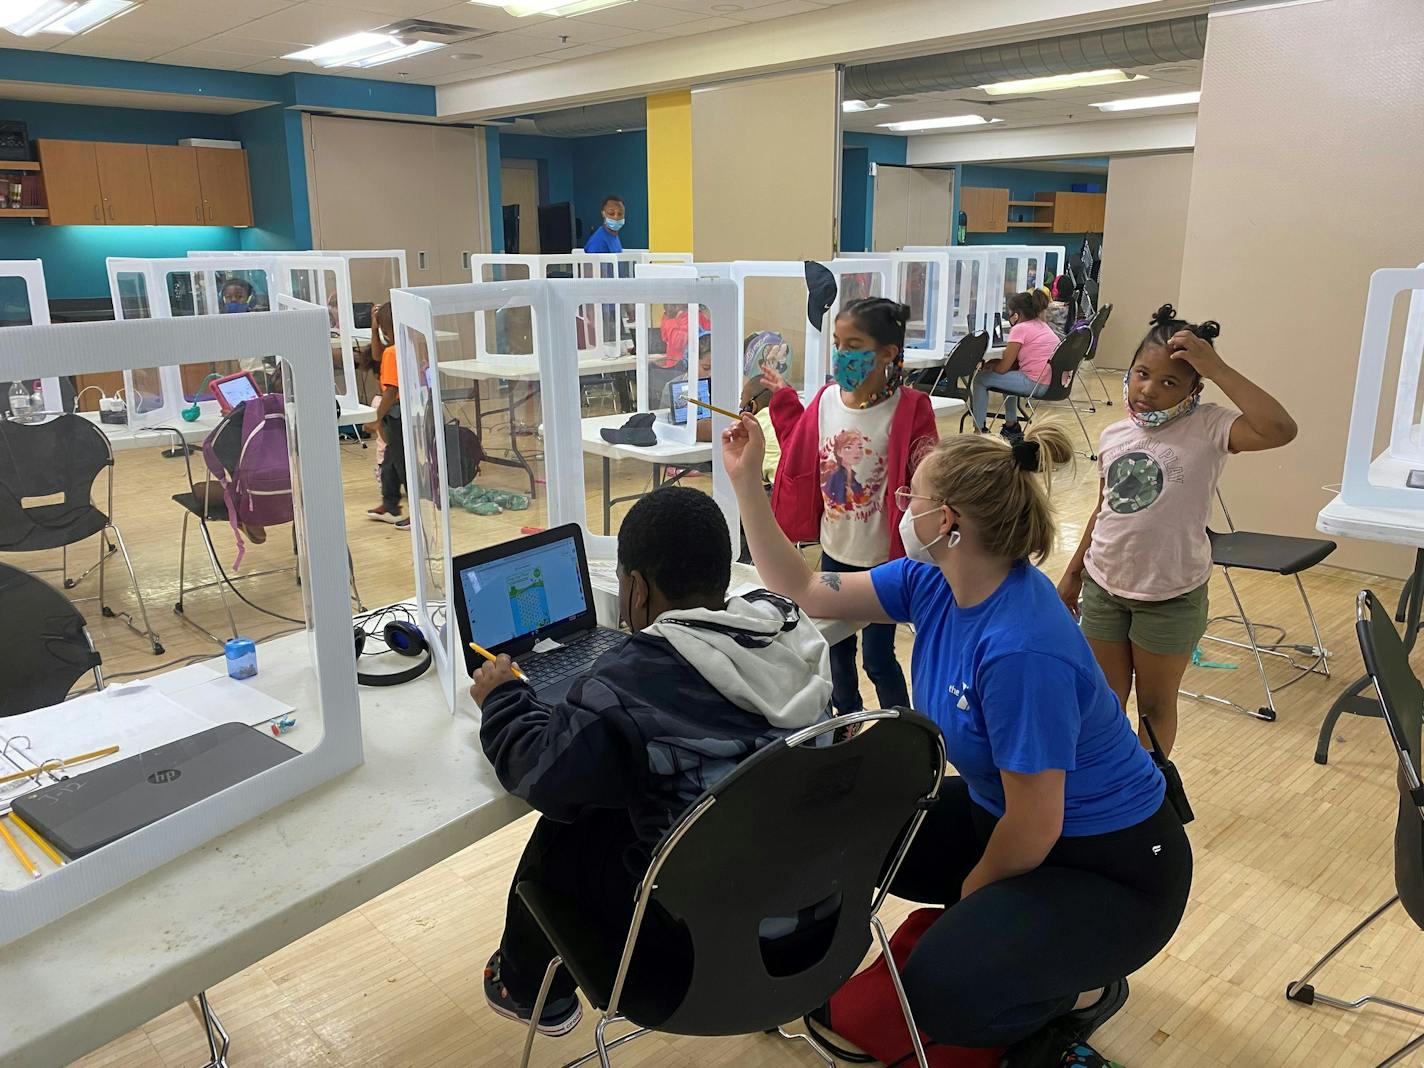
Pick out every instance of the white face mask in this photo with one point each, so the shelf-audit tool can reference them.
(915, 549)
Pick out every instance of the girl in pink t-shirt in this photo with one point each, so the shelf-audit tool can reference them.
(1142, 566)
(1023, 369)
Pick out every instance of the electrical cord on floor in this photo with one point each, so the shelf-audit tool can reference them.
(250, 604)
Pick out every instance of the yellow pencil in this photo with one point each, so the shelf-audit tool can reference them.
(733, 416)
(19, 853)
(83, 758)
(490, 657)
(45, 848)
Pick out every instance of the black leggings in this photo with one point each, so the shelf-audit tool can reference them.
(1017, 953)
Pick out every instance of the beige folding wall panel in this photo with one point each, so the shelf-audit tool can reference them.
(1143, 235)
(765, 167)
(912, 207)
(1305, 180)
(414, 186)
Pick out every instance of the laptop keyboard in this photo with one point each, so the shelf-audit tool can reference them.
(573, 659)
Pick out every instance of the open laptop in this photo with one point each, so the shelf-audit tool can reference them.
(510, 596)
(80, 814)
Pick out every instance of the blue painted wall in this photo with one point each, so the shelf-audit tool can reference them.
(582, 171)
(858, 151)
(74, 255)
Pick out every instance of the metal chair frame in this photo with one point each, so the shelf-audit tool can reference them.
(610, 1015)
(1319, 663)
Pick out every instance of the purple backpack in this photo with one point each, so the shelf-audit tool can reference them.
(257, 488)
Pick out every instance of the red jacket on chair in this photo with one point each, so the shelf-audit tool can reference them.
(796, 491)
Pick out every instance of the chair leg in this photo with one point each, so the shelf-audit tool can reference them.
(905, 1009)
(1269, 711)
(221, 580)
(213, 1030)
(355, 593)
(1098, 377)
(826, 1058)
(1320, 652)
(1078, 380)
(1092, 455)
(1398, 1055)
(138, 594)
(182, 563)
(554, 966)
(600, 1042)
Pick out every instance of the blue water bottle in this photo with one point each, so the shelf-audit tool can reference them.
(241, 657)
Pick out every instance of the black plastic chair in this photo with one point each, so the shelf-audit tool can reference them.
(1279, 555)
(46, 646)
(1096, 325)
(951, 378)
(62, 457)
(1063, 372)
(1401, 698)
(803, 826)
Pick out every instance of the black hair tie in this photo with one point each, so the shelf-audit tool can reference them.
(1026, 455)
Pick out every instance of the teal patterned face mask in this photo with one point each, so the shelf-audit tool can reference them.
(1152, 420)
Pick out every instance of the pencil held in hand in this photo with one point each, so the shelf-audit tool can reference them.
(735, 417)
(491, 658)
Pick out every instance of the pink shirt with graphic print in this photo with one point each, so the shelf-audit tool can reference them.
(1150, 540)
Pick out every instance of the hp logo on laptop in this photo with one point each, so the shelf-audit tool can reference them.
(160, 778)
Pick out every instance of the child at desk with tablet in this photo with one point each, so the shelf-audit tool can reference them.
(703, 682)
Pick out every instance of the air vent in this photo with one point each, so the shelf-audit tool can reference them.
(442, 32)
(994, 103)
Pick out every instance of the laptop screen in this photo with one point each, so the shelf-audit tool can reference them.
(518, 595)
(678, 391)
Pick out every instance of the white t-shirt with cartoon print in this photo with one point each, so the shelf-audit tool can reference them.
(854, 528)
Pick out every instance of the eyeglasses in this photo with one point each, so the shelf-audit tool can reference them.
(903, 497)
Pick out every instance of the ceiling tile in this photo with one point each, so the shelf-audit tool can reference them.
(42, 42)
(312, 23)
(775, 11)
(120, 48)
(277, 66)
(711, 25)
(485, 17)
(567, 32)
(713, 8)
(641, 16)
(249, 46)
(628, 40)
(398, 8)
(203, 57)
(195, 18)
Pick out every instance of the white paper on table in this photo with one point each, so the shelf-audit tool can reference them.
(135, 717)
(219, 698)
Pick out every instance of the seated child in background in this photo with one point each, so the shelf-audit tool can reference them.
(1060, 307)
(704, 370)
(703, 682)
(764, 351)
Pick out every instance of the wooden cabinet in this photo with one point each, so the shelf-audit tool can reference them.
(986, 210)
(177, 191)
(125, 184)
(222, 172)
(71, 180)
(104, 183)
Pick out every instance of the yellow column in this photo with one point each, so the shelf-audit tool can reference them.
(670, 172)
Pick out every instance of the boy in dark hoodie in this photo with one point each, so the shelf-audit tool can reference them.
(703, 682)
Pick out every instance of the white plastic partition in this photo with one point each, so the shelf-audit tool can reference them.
(922, 281)
(328, 687)
(1381, 482)
(553, 306)
(642, 322)
(29, 276)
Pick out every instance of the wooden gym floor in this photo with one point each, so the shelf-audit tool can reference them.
(1289, 855)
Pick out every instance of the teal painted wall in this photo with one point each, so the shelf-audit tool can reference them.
(581, 171)
(858, 151)
(1023, 184)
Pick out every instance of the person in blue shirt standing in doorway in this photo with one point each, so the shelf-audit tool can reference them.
(605, 238)
(1061, 859)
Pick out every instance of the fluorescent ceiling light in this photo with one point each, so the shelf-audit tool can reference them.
(1138, 103)
(25, 18)
(524, 8)
(862, 105)
(363, 50)
(1059, 81)
(938, 124)
(86, 16)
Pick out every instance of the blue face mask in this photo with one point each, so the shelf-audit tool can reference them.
(613, 224)
(237, 306)
(851, 369)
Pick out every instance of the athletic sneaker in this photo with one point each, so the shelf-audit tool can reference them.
(1082, 1055)
(382, 515)
(1012, 433)
(561, 1015)
(1059, 1038)
(403, 524)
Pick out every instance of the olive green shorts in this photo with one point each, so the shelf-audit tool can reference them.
(1167, 628)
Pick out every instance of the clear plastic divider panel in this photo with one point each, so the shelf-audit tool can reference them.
(24, 302)
(775, 322)
(193, 550)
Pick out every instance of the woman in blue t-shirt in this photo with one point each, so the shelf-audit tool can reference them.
(1066, 868)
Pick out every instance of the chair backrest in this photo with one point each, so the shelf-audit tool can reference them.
(1096, 324)
(44, 648)
(800, 829)
(61, 455)
(965, 357)
(1063, 364)
(1402, 698)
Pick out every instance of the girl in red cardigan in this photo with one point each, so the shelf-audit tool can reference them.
(842, 459)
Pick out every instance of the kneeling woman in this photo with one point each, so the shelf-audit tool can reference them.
(1065, 867)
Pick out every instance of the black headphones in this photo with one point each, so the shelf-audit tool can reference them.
(400, 636)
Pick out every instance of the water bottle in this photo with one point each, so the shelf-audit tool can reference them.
(19, 402)
(37, 400)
